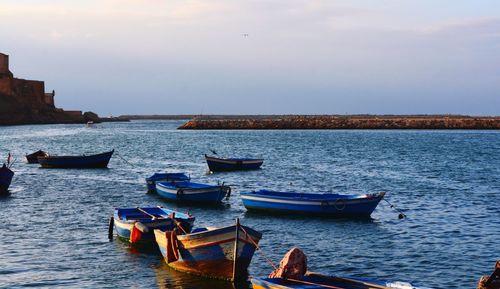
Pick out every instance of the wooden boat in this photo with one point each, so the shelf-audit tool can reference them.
(33, 158)
(137, 224)
(333, 205)
(6, 176)
(83, 161)
(232, 164)
(223, 253)
(185, 191)
(318, 281)
(165, 177)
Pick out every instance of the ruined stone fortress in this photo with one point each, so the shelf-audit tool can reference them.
(25, 101)
(34, 90)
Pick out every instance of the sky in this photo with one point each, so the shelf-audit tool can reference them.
(119, 57)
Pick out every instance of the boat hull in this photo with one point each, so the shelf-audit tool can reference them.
(191, 192)
(126, 218)
(223, 253)
(312, 204)
(80, 162)
(6, 176)
(224, 165)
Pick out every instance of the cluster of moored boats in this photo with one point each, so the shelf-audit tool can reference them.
(218, 252)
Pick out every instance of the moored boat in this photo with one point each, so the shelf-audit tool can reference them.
(33, 157)
(83, 161)
(292, 274)
(222, 253)
(137, 224)
(232, 164)
(319, 281)
(165, 177)
(6, 176)
(185, 191)
(333, 205)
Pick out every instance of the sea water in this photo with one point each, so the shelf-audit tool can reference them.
(54, 225)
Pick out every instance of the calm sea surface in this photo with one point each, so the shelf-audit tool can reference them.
(53, 227)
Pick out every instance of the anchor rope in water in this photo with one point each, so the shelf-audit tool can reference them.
(401, 214)
(259, 249)
(124, 160)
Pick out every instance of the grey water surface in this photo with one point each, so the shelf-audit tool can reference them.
(53, 226)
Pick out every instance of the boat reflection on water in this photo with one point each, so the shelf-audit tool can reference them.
(125, 245)
(168, 278)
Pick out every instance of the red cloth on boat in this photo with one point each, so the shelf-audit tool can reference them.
(293, 265)
(135, 235)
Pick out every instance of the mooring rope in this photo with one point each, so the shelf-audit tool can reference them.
(401, 214)
(259, 249)
(124, 160)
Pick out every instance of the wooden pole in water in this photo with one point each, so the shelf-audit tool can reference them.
(235, 257)
(110, 228)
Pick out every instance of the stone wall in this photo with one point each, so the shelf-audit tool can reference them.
(5, 85)
(32, 90)
(4, 64)
(345, 122)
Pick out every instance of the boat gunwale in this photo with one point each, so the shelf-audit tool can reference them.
(55, 157)
(312, 197)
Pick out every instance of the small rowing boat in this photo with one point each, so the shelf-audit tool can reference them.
(222, 253)
(137, 224)
(80, 162)
(165, 177)
(292, 274)
(185, 191)
(33, 157)
(333, 205)
(318, 281)
(232, 164)
(6, 176)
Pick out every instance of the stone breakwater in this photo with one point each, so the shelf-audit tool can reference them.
(343, 122)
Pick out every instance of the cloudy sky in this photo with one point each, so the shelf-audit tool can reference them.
(259, 57)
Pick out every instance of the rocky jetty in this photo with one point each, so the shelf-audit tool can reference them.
(344, 122)
(25, 101)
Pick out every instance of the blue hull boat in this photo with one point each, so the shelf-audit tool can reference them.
(192, 192)
(137, 224)
(165, 177)
(92, 161)
(318, 281)
(6, 176)
(232, 164)
(222, 253)
(332, 205)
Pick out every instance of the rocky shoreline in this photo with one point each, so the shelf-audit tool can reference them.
(344, 122)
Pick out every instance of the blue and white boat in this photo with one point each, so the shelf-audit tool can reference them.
(165, 177)
(319, 281)
(222, 253)
(232, 164)
(6, 176)
(333, 205)
(137, 224)
(185, 191)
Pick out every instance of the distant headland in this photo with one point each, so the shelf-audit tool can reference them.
(25, 101)
(342, 122)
